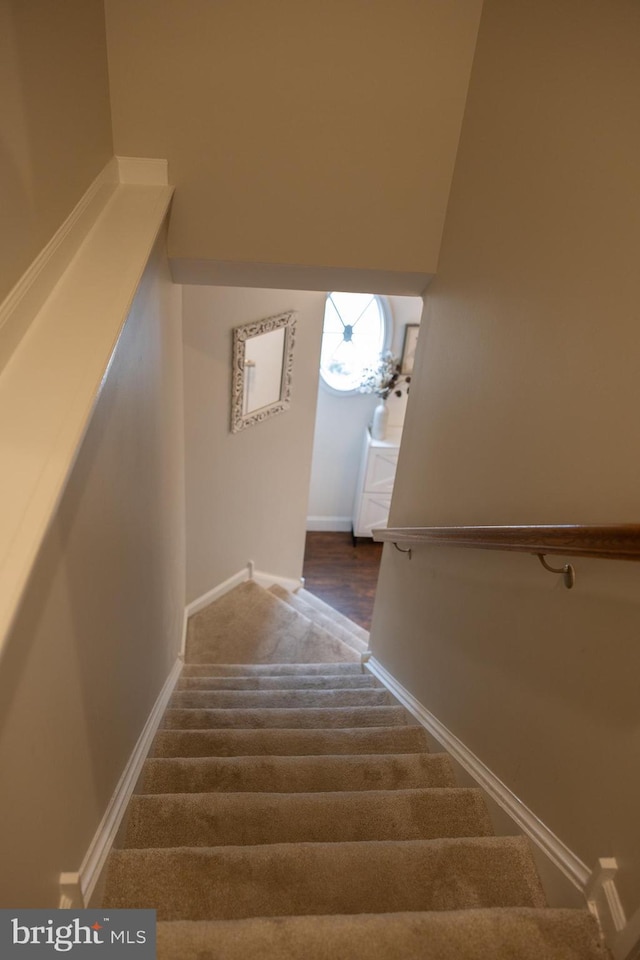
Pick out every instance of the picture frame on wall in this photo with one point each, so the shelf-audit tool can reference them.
(409, 348)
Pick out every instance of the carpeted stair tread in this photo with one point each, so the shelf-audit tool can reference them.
(287, 742)
(268, 699)
(296, 682)
(312, 600)
(206, 883)
(299, 774)
(269, 669)
(328, 623)
(290, 810)
(217, 819)
(499, 933)
(186, 718)
(251, 625)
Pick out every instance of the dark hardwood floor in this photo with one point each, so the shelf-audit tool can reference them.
(341, 574)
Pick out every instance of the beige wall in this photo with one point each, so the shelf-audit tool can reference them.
(246, 492)
(56, 123)
(319, 134)
(525, 410)
(100, 625)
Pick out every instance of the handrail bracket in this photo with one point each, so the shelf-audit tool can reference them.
(567, 571)
(400, 550)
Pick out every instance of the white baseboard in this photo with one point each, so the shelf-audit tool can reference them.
(247, 573)
(597, 885)
(183, 639)
(330, 524)
(267, 580)
(624, 944)
(216, 592)
(77, 888)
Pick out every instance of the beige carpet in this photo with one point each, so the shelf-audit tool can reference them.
(321, 614)
(251, 625)
(288, 811)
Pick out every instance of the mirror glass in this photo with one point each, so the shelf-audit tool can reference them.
(262, 364)
(264, 356)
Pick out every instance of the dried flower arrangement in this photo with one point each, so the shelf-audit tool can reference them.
(385, 378)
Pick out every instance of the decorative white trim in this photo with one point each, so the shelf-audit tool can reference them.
(143, 171)
(99, 281)
(598, 886)
(622, 936)
(77, 888)
(216, 592)
(625, 943)
(32, 289)
(247, 573)
(70, 892)
(23, 301)
(330, 524)
(183, 639)
(267, 580)
(239, 418)
(564, 859)
(602, 896)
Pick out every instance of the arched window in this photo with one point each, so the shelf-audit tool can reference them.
(355, 333)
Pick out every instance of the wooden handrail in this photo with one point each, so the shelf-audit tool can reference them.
(615, 542)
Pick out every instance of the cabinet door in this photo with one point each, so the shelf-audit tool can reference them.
(381, 470)
(374, 512)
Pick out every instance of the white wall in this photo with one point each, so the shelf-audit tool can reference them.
(246, 492)
(100, 625)
(525, 410)
(339, 431)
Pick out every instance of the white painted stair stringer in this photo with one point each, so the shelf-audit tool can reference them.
(597, 885)
(77, 887)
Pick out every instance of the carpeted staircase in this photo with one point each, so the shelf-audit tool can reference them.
(290, 811)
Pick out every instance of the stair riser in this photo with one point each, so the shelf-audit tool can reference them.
(452, 935)
(266, 699)
(194, 719)
(298, 682)
(286, 742)
(219, 819)
(269, 669)
(312, 879)
(297, 774)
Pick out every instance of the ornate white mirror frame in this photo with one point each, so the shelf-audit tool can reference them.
(241, 417)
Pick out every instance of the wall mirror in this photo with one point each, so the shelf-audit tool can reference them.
(262, 364)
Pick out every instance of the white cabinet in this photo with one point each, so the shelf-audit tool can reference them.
(375, 482)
